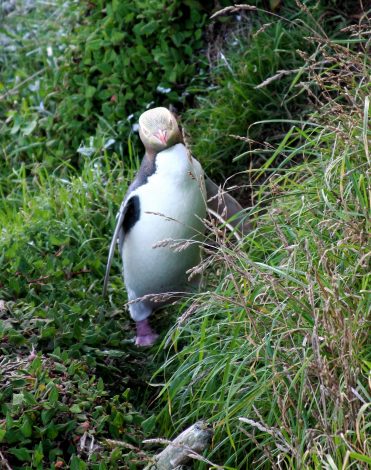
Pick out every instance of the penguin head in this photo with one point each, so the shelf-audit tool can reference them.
(158, 130)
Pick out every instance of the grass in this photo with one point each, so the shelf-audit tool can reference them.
(38, 33)
(275, 352)
(56, 333)
(256, 75)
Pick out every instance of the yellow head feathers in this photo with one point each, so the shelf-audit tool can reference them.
(158, 129)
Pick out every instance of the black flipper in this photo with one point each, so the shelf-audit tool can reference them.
(226, 206)
(120, 219)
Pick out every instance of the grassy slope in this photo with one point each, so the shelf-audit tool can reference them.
(67, 362)
(53, 250)
(275, 354)
(278, 340)
(256, 72)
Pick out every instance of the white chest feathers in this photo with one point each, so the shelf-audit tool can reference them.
(172, 204)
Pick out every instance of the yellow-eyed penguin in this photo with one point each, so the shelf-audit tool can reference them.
(166, 200)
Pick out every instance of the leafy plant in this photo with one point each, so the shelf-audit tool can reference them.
(128, 56)
(54, 412)
(110, 59)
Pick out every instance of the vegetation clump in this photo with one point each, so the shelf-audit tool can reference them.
(275, 353)
(105, 63)
(54, 405)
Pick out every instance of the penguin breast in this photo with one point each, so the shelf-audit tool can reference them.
(172, 205)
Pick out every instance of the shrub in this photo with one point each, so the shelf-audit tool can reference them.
(109, 60)
(128, 56)
(55, 413)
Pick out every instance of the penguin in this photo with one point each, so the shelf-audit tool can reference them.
(164, 207)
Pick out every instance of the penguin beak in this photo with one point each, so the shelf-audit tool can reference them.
(161, 136)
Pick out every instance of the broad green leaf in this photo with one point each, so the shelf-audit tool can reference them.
(75, 409)
(18, 399)
(26, 426)
(22, 453)
(28, 129)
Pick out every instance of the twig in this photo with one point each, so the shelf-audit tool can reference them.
(4, 462)
(277, 76)
(233, 9)
(115, 443)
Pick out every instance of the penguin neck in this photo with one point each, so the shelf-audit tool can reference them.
(161, 162)
(147, 169)
(172, 161)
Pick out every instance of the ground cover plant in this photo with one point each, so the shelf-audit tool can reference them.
(90, 72)
(66, 365)
(274, 353)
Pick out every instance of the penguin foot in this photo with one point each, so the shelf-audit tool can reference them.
(145, 335)
(147, 340)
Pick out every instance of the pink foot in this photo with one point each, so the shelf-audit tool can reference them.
(147, 340)
(145, 335)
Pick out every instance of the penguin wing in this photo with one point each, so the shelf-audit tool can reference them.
(119, 225)
(225, 206)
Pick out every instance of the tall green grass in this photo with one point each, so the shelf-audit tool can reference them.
(275, 354)
(256, 75)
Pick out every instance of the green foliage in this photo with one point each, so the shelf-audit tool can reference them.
(103, 62)
(275, 354)
(256, 75)
(33, 43)
(123, 57)
(53, 408)
(54, 241)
